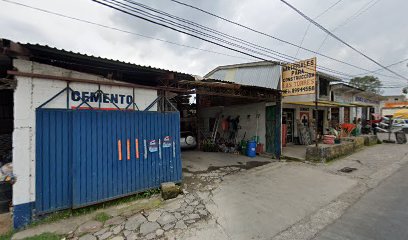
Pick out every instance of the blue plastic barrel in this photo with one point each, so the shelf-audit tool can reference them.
(251, 148)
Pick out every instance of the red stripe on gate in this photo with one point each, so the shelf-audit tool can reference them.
(128, 149)
(120, 150)
(137, 148)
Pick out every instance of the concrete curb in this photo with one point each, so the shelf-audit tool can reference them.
(310, 226)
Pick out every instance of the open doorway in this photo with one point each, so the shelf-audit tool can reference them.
(6, 146)
(320, 121)
(288, 120)
(6, 130)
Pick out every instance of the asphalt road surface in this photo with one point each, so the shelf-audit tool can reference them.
(380, 214)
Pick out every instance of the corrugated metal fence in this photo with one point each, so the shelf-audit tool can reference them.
(89, 156)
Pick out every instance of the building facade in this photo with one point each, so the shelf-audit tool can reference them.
(84, 129)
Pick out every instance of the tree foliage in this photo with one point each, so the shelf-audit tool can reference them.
(367, 83)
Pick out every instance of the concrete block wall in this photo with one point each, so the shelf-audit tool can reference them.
(325, 152)
(29, 94)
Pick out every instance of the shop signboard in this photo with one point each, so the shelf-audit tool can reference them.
(299, 78)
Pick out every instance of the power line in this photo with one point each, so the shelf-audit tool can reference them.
(161, 19)
(241, 41)
(190, 34)
(360, 11)
(379, 69)
(308, 26)
(340, 40)
(184, 32)
(260, 32)
(119, 30)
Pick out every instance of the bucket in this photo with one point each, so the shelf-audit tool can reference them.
(251, 148)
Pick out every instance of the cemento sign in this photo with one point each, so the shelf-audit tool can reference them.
(299, 78)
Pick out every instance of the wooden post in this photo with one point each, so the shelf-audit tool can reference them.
(198, 121)
(316, 107)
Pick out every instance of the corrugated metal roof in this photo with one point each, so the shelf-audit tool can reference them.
(261, 74)
(46, 48)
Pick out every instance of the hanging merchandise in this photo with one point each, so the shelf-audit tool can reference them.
(153, 146)
(166, 142)
(225, 124)
(234, 123)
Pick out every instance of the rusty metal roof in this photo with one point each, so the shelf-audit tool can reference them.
(110, 68)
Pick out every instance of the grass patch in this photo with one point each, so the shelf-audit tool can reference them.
(7, 236)
(102, 217)
(44, 236)
(85, 210)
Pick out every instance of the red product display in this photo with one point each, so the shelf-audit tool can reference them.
(284, 134)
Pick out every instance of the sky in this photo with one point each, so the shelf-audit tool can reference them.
(378, 28)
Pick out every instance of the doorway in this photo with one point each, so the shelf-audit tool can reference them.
(273, 126)
(346, 115)
(6, 145)
(288, 120)
(335, 117)
(320, 121)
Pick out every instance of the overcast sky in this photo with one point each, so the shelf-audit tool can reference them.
(380, 31)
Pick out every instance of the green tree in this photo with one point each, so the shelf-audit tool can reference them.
(367, 83)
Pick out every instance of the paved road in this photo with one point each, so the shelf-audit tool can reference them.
(380, 214)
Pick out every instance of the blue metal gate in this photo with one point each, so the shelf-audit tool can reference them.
(53, 160)
(89, 156)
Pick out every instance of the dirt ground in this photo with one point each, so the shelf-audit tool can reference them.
(5, 223)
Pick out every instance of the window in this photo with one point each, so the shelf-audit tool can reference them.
(323, 87)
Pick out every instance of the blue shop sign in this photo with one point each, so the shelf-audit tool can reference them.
(101, 97)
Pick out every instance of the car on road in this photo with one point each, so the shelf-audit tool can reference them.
(396, 123)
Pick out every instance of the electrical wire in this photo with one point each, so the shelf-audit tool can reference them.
(380, 69)
(340, 40)
(246, 43)
(174, 24)
(258, 47)
(190, 34)
(308, 26)
(210, 30)
(119, 30)
(360, 11)
(259, 32)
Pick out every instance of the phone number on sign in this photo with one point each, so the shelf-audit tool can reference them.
(302, 89)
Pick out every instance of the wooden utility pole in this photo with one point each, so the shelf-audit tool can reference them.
(316, 107)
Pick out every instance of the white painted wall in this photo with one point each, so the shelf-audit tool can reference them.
(29, 94)
(248, 124)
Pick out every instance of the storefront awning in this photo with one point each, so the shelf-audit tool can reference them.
(360, 104)
(337, 104)
(323, 104)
